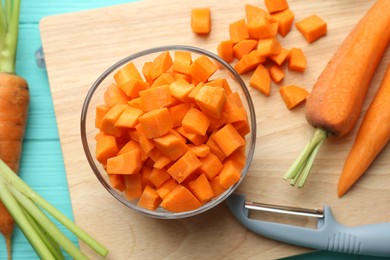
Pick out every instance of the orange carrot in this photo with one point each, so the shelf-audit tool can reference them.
(146, 71)
(260, 27)
(229, 175)
(180, 89)
(248, 62)
(166, 188)
(312, 27)
(276, 73)
(202, 69)
(126, 163)
(126, 73)
(293, 95)
(171, 146)
(109, 119)
(347, 80)
(193, 138)
(132, 87)
(133, 186)
(106, 147)
(114, 95)
(156, 123)
(261, 80)
(146, 144)
(211, 165)
(297, 60)
(178, 112)
(117, 181)
(280, 57)
(244, 47)
(161, 64)
(162, 80)
(228, 132)
(268, 47)
(238, 31)
(373, 135)
(254, 12)
(225, 50)
(201, 20)
(274, 6)
(201, 188)
(156, 97)
(201, 150)
(216, 186)
(211, 100)
(100, 112)
(180, 199)
(195, 122)
(184, 166)
(129, 117)
(182, 61)
(285, 20)
(149, 199)
(159, 176)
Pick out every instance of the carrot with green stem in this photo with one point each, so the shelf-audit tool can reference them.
(336, 100)
(373, 135)
(14, 102)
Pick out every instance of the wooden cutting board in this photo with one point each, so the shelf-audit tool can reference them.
(80, 46)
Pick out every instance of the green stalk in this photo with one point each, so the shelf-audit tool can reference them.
(10, 177)
(50, 227)
(14, 208)
(52, 245)
(9, 45)
(301, 167)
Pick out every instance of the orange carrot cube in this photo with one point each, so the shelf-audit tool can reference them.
(184, 166)
(149, 199)
(228, 132)
(156, 123)
(195, 122)
(127, 163)
(312, 27)
(201, 188)
(211, 100)
(201, 20)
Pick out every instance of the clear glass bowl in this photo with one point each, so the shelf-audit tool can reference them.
(95, 96)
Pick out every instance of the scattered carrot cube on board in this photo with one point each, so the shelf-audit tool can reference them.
(293, 95)
(274, 6)
(312, 27)
(201, 20)
(285, 19)
(238, 31)
(297, 60)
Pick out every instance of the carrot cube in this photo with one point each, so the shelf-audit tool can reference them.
(244, 47)
(171, 146)
(268, 46)
(274, 6)
(180, 89)
(182, 61)
(312, 27)
(146, 71)
(131, 145)
(225, 50)
(297, 60)
(193, 138)
(276, 73)
(162, 80)
(184, 166)
(220, 82)
(178, 112)
(238, 31)
(201, 188)
(230, 174)
(180, 199)
(253, 12)
(100, 112)
(211, 165)
(155, 97)
(161, 64)
(133, 186)
(126, 73)
(146, 144)
(216, 186)
(158, 177)
(132, 87)
(166, 187)
(201, 20)
(261, 80)
(259, 28)
(106, 147)
(202, 69)
(116, 181)
(149, 199)
(201, 150)
(156, 123)
(214, 147)
(211, 100)
(285, 20)
(127, 163)
(280, 57)
(248, 62)
(293, 95)
(129, 117)
(228, 132)
(109, 119)
(195, 122)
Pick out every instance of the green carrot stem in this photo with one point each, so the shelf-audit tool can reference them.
(14, 208)
(50, 227)
(50, 243)
(9, 176)
(304, 163)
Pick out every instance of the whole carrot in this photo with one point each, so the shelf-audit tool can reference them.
(14, 103)
(373, 135)
(335, 102)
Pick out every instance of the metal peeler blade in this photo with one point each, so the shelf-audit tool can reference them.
(372, 239)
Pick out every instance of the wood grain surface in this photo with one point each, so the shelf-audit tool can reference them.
(80, 46)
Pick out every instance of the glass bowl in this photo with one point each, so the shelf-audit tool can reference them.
(95, 96)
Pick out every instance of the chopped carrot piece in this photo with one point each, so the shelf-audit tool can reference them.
(274, 6)
(117, 181)
(176, 75)
(146, 71)
(161, 64)
(261, 80)
(149, 199)
(184, 166)
(211, 100)
(132, 87)
(238, 31)
(166, 188)
(200, 151)
(171, 146)
(130, 145)
(114, 95)
(162, 162)
(216, 186)
(230, 174)
(312, 27)
(126, 73)
(164, 79)
(276, 73)
(182, 61)
(154, 98)
(127, 163)
(275, 28)
(180, 89)
(221, 83)
(202, 69)
(244, 47)
(293, 95)
(248, 62)
(178, 112)
(109, 119)
(297, 60)
(201, 20)
(228, 132)
(156, 123)
(195, 122)
(260, 27)
(135, 102)
(180, 199)
(133, 186)
(285, 19)
(211, 165)
(280, 57)
(193, 138)
(159, 176)
(128, 117)
(238, 157)
(100, 112)
(268, 46)
(194, 91)
(201, 188)
(214, 147)
(233, 109)
(253, 12)
(225, 50)
(145, 173)
(146, 144)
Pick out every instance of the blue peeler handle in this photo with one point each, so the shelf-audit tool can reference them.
(373, 239)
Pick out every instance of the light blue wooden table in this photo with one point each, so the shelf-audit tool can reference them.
(42, 163)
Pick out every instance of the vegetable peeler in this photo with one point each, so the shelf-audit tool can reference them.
(330, 235)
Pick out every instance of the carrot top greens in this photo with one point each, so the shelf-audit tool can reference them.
(9, 30)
